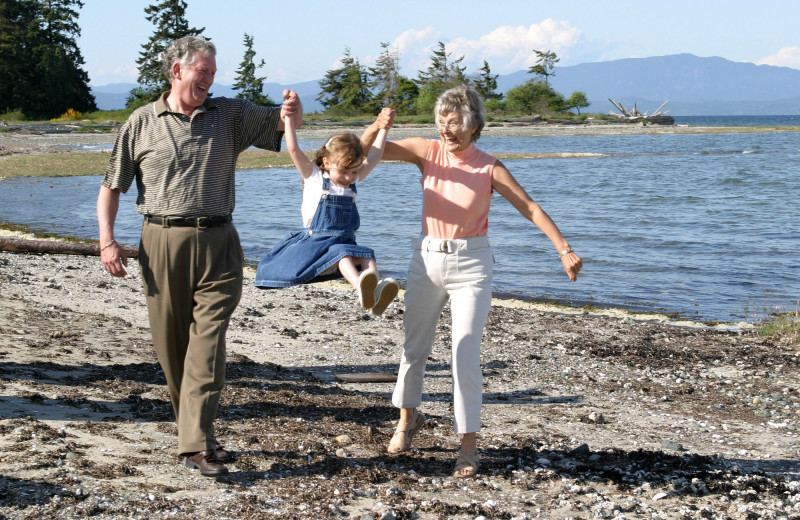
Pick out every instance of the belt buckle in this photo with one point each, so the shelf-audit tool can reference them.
(446, 246)
(203, 222)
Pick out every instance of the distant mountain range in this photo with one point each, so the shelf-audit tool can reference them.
(693, 86)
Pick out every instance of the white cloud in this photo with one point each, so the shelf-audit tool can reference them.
(506, 49)
(116, 74)
(785, 57)
(415, 48)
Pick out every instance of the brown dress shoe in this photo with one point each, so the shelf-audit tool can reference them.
(207, 462)
(222, 454)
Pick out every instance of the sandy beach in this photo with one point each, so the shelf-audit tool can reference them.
(587, 414)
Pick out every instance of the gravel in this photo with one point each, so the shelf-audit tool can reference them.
(586, 415)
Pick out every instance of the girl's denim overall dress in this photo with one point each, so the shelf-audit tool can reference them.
(302, 256)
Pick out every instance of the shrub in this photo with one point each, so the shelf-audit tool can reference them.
(69, 115)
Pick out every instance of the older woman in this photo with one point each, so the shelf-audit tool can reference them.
(452, 260)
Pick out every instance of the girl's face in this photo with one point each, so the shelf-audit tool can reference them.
(452, 132)
(341, 176)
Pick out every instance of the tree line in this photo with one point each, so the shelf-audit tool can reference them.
(41, 65)
(43, 33)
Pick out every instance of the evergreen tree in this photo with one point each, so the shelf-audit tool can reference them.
(545, 65)
(247, 84)
(169, 19)
(389, 87)
(40, 62)
(440, 75)
(19, 30)
(344, 90)
(486, 84)
(63, 83)
(383, 77)
(405, 98)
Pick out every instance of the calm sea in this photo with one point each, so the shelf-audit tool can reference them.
(702, 226)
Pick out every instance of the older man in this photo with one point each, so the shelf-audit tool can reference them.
(181, 150)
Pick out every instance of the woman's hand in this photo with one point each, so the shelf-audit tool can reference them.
(572, 264)
(385, 119)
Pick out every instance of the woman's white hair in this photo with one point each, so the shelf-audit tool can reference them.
(465, 101)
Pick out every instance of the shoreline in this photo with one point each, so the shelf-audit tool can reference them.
(498, 299)
(49, 137)
(45, 143)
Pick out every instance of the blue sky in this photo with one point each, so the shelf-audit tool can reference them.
(300, 40)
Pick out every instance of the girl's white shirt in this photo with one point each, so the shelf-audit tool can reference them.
(312, 192)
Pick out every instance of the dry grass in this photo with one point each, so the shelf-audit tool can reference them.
(63, 164)
(94, 163)
(54, 164)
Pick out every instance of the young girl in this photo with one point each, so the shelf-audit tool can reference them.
(330, 219)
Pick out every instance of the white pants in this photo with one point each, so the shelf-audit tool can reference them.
(461, 271)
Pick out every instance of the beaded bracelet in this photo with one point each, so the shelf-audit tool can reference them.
(108, 245)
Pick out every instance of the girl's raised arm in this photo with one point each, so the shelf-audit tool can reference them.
(301, 162)
(375, 153)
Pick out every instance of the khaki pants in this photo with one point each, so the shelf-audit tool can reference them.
(193, 283)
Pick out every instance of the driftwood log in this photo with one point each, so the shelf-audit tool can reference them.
(57, 247)
(632, 115)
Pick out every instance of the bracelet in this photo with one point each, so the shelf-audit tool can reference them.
(108, 245)
(560, 254)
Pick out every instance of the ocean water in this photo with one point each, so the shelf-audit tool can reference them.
(701, 226)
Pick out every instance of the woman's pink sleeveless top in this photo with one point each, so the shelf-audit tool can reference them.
(456, 192)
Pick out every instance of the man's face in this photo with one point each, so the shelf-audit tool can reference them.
(193, 82)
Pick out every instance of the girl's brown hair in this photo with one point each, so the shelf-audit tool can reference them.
(345, 147)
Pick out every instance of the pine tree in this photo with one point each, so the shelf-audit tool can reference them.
(40, 62)
(169, 19)
(344, 90)
(486, 83)
(63, 83)
(545, 65)
(439, 76)
(249, 86)
(389, 87)
(383, 77)
(19, 28)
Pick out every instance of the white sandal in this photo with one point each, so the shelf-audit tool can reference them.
(467, 462)
(404, 435)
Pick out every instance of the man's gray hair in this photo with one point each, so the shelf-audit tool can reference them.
(184, 50)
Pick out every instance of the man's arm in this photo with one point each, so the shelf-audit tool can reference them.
(112, 254)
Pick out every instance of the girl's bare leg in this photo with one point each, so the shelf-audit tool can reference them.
(347, 266)
(368, 263)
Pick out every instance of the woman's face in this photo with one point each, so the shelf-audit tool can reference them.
(452, 132)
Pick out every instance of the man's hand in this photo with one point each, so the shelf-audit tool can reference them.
(385, 119)
(292, 107)
(114, 259)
